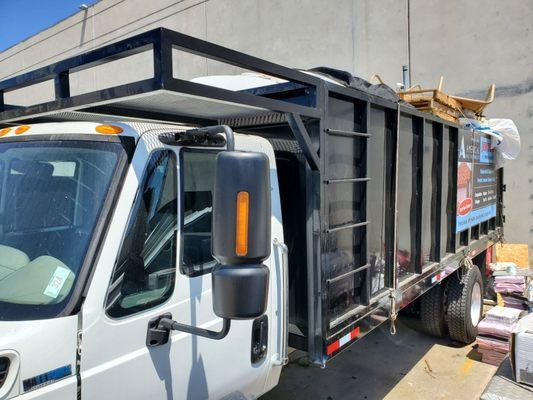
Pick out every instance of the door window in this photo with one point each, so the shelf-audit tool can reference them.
(198, 177)
(146, 267)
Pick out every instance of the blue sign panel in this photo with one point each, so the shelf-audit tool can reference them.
(476, 180)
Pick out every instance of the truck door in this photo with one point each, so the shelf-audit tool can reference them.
(156, 260)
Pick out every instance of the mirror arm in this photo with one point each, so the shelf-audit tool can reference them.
(171, 325)
(159, 328)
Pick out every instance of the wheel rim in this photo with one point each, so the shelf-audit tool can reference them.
(475, 304)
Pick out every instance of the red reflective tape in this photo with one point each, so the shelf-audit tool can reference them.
(355, 333)
(438, 277)
(333, 347)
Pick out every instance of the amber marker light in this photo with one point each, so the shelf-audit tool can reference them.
(21, 129)
(109, 129)
(241, 235)
(4, 131)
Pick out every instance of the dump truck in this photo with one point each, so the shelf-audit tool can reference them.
(178, 238)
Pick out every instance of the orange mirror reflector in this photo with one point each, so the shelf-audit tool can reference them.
(21, 129)
(109, 129)
(241, 235)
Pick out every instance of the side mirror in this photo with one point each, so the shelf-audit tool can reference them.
(241, 234)
(240, 244)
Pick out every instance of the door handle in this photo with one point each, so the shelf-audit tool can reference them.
(259, 338)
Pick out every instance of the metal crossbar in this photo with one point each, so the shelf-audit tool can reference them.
(348, 226)
(338, 132)
(347, 274)
(348, 180)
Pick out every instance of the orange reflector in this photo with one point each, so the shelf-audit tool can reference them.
(241, 236)
(21, 129)
(109, 129)
(4, 131)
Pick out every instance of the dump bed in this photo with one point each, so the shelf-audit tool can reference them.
(401, 198)
(369, 187)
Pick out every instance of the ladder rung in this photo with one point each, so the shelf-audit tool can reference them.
(338, 132)
(347, 226)
(355, 271)
(347, 180)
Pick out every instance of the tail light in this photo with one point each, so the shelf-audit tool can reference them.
(4, 368)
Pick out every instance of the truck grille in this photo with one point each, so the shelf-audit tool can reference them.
(4, 367)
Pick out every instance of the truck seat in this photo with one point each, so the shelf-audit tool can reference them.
(11, 260)
(34, 282)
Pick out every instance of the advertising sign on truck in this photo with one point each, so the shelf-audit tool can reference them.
(476, 180)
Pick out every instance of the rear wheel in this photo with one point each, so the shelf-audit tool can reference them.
(464, 304)
(432, 311)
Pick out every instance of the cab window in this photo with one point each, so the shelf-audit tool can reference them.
(145, 270)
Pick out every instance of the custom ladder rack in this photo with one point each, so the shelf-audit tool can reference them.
(147, 98)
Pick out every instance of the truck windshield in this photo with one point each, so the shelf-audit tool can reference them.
(51, 194)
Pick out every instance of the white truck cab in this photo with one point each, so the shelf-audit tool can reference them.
(70, 188)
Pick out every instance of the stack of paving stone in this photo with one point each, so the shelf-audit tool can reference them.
(511, 288)
(494, 332)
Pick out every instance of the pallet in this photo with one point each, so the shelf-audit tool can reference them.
(439, 113)
(426, 95)
(448, 107)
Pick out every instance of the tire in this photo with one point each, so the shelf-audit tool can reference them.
(464, 305)
(432, 313)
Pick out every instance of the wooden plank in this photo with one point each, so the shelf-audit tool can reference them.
(430, 94)
(433, 104)
(513, 252)
(447, 100)
(442, 114)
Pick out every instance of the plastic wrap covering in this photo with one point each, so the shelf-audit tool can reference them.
(504, 137)
(509, 147)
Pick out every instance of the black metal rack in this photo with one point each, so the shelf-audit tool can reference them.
(161, 41)
(360, 152)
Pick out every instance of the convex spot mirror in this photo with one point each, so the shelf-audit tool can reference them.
(241, 234)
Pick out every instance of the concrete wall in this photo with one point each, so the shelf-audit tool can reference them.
(472, 44)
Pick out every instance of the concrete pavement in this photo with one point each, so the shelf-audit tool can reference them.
(410, 365)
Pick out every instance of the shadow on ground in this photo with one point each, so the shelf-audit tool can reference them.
(369, 369)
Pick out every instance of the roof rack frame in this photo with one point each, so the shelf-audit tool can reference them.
(161, 41)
